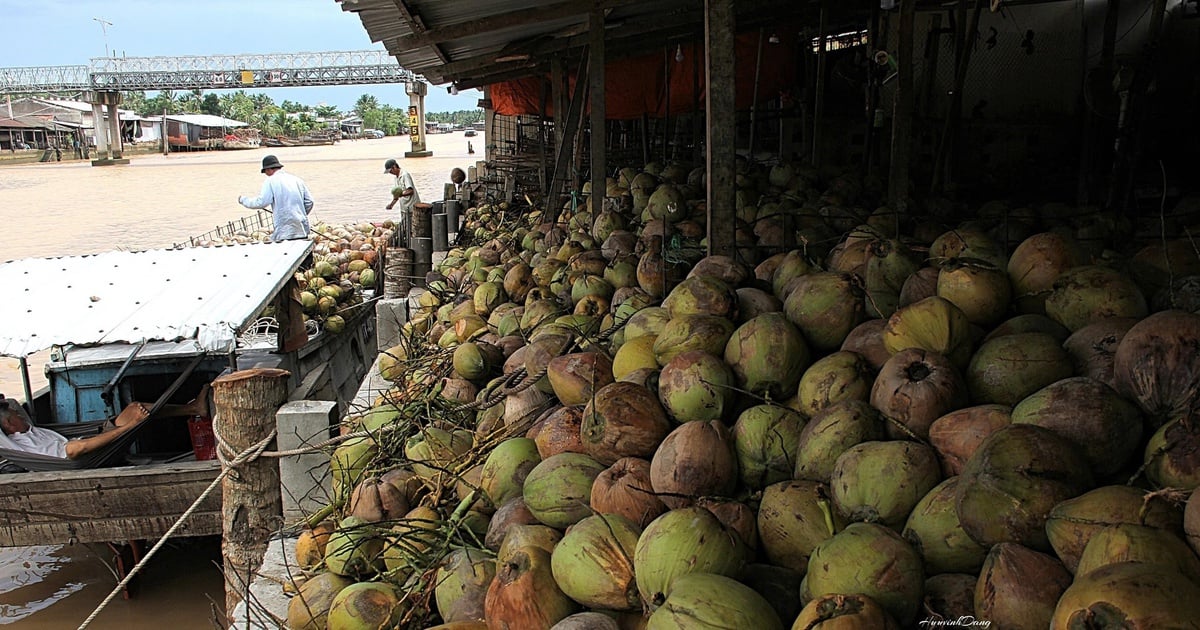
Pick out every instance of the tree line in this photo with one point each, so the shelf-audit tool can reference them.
(288, 118)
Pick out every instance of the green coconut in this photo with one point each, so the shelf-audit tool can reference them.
(706, 601)
(1088, 294)
(1171, 454)
(702, 295)
(844, 612)
(648, 321)
(667, 203)
(708, 333)
(593, 563)
(793, 518)
(768, 355)
(836, 377)
(825, 306)
(506, 468)
(558, 490)
(488, 296)
(366, 605)
(788, 267)
(434, 451)
(830, 433)
(1072, 523)
(590, 285)
(1016, 476)
(683, 541)
(934, 530)
(1029, 323)
(623, 420)
(349, 463)
(881, 482)
(967, 244)
(1035, 265)
(524, 593)
(765, 439)
(474, 362)
(1018, 587)
(462, 583)
(980, 290)
(1089, 413)
(634, 354)
(695, 460)
(1126, 542)
(696, 385)
(309, 609)
(1007, 369)
(1132, 595)
(889, 264)
(934, 324)
(871, 560)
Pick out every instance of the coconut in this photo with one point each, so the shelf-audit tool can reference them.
(1090, 414)
(778, 585)
(980, 290)
(957, 434)
(520, 536)
(309, 609)
(375, 500)
(647, 321)
(634, 354)
(708, 333)
(696, 385)
(1028, 323)
(680, 542)
(706, 600)
(966, 243)
(1093, 348)
(768, 356)
(504, 472)
(353, 549)
(625, 489)
(787, 268)
(793, 518)
(735, 515)
(524, 594)
(623, 420)
(593, 563)
(1018, 587)
(920, 285)
(349, 462)
(1016, 476)
(1157, 364)
(915, 388)
(723, 268)
(588, 621)
(871, 560)
(765, 439)
(825, 306)
(408, 539)
(866, 340)
(367, 605)
(702, 295)
(462, 584)
(830, 433)
(696, 459)
(844, 612)
(667, 203)
(753, 302)
(1072, 523)
(655, 275)
(889, 264)
(559, 432)
(543, 348)
(1126, 542)
(618, 244)
(576, 377)
(1130, 595)
(310, 544)
(434, 451)
(1036, 263)
(881, 482)
(1007, 369)
(558, 490)
(1088, 294)
(510, 513)
(839, 376)
(950, 595)
(934, 324)
(934, 530)
(1170, 455)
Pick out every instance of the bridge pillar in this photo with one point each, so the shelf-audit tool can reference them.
(108, 133)
(416, 119)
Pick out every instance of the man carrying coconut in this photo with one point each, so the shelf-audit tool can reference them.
(289, 200)
(403, 190)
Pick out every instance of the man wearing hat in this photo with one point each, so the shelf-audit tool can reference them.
(288, 197)
(403, 190)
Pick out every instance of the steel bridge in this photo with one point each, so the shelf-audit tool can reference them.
(209, 72)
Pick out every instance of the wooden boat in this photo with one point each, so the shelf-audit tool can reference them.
(127, 326)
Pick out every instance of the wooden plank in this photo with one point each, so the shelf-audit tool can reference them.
(719, 29)
(565, 142)
(599, 129)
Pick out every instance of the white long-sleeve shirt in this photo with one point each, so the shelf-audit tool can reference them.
(36, 440)
(290, 203)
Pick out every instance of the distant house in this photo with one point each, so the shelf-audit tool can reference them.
(198, 131)
(351, 126)
(71, 117)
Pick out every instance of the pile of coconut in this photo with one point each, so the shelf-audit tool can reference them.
(592, 425)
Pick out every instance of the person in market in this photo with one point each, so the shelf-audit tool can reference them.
(403, 189)
(288, 198)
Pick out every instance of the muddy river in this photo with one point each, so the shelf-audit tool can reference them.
(71, 208)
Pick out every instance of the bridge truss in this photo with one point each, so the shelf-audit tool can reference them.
(209, 72)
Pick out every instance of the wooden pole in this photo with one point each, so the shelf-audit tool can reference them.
(944, 163)
(898, 184)
(252, 507)
(819, 89)
(719, 29)
(597, 95)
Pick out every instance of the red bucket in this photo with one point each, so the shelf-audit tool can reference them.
(204, 444)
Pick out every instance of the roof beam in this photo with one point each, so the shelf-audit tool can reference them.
(520, 17)
(417, 25)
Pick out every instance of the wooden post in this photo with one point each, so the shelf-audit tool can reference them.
(944, 162)
(719, 28)
(898, 184)
(252, 507)
(819, 90)
(596, 95)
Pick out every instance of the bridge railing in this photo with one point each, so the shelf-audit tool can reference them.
(48, 78)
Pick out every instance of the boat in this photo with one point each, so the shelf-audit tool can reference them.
(131, 326)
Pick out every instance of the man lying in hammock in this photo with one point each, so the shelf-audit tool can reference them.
(15, 423)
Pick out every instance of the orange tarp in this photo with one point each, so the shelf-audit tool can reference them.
(635, 86)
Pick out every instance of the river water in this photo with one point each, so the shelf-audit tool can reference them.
(72, 208)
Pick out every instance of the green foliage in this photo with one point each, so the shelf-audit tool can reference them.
(461, 117)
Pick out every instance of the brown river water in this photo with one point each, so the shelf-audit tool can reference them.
(72, 208)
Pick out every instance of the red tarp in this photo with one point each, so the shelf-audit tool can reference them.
(634, 86)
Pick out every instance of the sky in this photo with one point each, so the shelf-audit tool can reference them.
(66, 32)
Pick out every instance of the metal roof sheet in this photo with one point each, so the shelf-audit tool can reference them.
(206, 294)
(206, 120)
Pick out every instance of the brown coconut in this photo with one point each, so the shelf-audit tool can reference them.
(957, 434)
(918, 286)
(510, 513)
(851, 611)
(1018, 587)
(625, 489)
(1157, 364)
(951, 595)
(623, 420)
(867, 341)
(1093, 348)
(559, 432)
(914, 388)
(696, 459)
(735, 515)
(576, 377)
(1036, 263)
(524, 595)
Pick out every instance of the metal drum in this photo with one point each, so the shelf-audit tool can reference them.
(422, 258)
(440, 241)
(453, 207)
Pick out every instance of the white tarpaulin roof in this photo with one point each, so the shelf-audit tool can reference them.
(207, 294)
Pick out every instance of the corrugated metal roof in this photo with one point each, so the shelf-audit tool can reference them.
(207, 294)
(16, 124)
(206, 120)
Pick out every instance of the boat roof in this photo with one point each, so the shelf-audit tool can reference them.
(205, 294)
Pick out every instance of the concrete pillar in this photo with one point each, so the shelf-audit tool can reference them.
(390, 317)
(100, 131)
(304, 487)
(416, 118)
(719, 27)
(115, 142)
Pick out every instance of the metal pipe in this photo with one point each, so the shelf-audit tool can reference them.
(24, 365)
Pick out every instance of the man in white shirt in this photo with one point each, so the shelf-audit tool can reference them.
(403, 190)
(288, 197)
